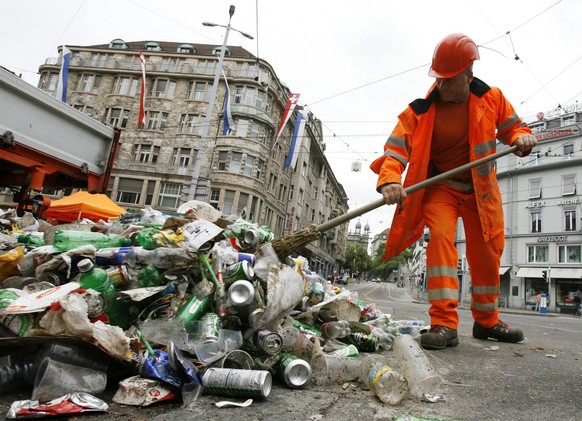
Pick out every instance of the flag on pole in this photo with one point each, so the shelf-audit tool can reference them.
(61, 92)
(291, 102)
(227, 115)
(296, 140)
(141, 116)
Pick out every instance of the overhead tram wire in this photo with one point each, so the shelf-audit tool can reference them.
(67, 27)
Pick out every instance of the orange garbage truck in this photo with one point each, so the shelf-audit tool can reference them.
(45, 143)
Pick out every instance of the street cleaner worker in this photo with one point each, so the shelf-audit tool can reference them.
(458, 122)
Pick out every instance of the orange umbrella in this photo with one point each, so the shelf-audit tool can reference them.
(83, 205)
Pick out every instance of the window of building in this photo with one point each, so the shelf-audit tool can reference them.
(222, 159)
(570, 220)
(291, 191)
(568, 151)
(568, 120)
(538, 127)
(535, 158)
(163, 88)
(198, 91)
(282, 192)
(206, 67)
(156, 120)
(85, 109)
(182, 157)
(537, 253)
(249, 95)
(49, 82)
(147, 153)
(172, 64)
(304, 169)
(152, 46)
(214, 198)
(254, 208)
(191, 123)
(536, 222)
(186, 48)
(125, 85)
(235, 162)
(118, 44)
(216, 51)
(150, 192)
(243, 199)
(228, 203)
(117, 117)
(569, 253)
(129, 190)
(99, 59)
(568, 185)
(169, 196)
(261, 165)
(249, 165)
(535, 188)
(89, 83)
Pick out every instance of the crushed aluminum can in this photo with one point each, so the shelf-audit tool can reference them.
(139, 391)
(158, 367)
(72, 403)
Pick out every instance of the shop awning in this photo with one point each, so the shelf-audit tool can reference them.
(555, 273)
(503, 269)
(529, 272)
(568, 273)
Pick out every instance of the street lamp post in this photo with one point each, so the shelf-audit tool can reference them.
(195, 192)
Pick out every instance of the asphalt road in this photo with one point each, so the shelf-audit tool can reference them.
(538, 379)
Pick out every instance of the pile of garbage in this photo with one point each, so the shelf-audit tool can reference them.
(186, 305)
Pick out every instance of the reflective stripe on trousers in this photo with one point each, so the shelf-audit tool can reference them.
(442, 206)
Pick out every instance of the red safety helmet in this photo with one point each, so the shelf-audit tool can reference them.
(452, 55)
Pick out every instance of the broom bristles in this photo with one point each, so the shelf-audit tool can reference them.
(289, 244)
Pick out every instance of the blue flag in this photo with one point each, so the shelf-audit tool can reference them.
(61, 92)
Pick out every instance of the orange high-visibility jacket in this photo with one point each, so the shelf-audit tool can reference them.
(491, 117)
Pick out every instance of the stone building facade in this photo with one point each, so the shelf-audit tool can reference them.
(243, 172)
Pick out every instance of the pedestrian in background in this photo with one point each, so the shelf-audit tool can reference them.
(458, 122)
(577, 301)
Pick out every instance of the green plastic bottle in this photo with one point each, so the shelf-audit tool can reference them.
(97, 279)
(68, 240)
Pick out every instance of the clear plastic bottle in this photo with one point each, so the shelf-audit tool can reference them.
(384, 382)
(421, 376)
(68, 240)
(333, 330)
(385, 339)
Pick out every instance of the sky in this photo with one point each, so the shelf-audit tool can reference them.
(355, 65)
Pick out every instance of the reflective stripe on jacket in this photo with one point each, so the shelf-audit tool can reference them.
(491, 118)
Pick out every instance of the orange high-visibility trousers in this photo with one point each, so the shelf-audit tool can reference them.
(442, 206)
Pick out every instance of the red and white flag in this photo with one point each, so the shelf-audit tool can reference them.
(141, 116)
(291, 103)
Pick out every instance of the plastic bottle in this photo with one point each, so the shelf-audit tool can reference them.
(68, 240)
(385, 339)
(421, 376)
(384, 382)
(31, 240)
(96, 279)
(332, 330)
(149, 276)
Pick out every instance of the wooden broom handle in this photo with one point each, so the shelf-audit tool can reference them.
(338, 220)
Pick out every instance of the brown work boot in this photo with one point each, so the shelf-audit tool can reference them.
(501, 331)
(439, 337)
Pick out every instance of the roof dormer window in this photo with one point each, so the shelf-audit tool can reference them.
(118, 44)
(216, 51)
(186, 48)
(152, 46)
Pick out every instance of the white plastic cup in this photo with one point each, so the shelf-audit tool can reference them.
(414, 364)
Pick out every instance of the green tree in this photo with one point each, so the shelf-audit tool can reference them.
(357, 259)
(384, 269)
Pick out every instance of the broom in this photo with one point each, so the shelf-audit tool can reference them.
(285, 246)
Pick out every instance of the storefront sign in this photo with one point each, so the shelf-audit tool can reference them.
(554, 134)
(552, 238)
(539, 204)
